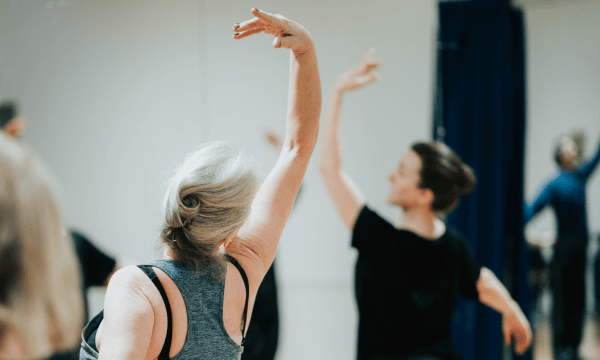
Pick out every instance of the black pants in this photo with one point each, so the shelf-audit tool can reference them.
(263, 332)
(568, 287)
(597, 281)
(537, 274)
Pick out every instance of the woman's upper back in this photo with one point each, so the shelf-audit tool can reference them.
(206, 335)
(206, 318)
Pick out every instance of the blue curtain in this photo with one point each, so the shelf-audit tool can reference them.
(480, 113)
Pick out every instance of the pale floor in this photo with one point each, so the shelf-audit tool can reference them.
(589, 349)
(542, 345)
(590, 344)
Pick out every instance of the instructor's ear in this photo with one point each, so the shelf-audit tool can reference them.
(426, 197)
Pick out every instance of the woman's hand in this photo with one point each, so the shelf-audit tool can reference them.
(359, 75)
(288, 34)
(516, 328)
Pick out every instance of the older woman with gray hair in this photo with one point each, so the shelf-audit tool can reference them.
(221, 233)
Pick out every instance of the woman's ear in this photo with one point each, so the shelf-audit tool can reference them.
(229, 239)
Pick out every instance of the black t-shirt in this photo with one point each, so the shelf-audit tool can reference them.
(95, 265)
(407, 288)
(95, 268)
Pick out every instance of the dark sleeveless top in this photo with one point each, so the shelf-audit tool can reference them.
(207, 337)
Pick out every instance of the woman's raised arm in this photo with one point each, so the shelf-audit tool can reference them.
(257, 240)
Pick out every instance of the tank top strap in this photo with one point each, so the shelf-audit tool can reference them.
(237, 265)
(164, 353)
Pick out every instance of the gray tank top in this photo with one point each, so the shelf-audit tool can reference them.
(207, 337)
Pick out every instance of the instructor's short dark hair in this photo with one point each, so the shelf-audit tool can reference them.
(444, 173)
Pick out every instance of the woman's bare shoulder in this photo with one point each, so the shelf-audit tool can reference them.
(129, 314)
(131, 284)
(129, 276)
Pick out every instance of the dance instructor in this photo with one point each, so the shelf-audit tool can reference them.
(408, 277)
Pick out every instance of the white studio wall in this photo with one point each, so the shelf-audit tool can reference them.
(113, 95)
(117, 92)
(563, 88)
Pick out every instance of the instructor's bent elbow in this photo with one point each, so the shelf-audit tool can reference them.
(485, 282)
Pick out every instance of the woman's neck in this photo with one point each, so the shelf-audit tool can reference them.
(423, 222)
(169, 254)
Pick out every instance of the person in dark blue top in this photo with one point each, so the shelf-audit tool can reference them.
(565, 192)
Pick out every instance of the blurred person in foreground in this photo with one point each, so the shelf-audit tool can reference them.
(221, 232)
(565, 192)
(409, 276)
(41, 310)
(96, 267)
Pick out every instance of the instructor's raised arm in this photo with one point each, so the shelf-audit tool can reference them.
(346, 196)
(588, 169)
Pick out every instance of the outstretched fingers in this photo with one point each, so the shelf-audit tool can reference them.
(244, 34)
(263, 22)
(287, 33)
(249, 25)
(367, 63)
(367, 79)
(268, 18)
(372, 65)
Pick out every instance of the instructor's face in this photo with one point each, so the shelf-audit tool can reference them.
(404, 181)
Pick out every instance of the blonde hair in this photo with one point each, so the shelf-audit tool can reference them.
(208, 199)
(40, 289)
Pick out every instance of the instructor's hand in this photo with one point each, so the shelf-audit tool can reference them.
(516, 329)
(288, 34)
(359, 75)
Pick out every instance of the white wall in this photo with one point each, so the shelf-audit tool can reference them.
(563, 90)
(117, 92)
(113, 94)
